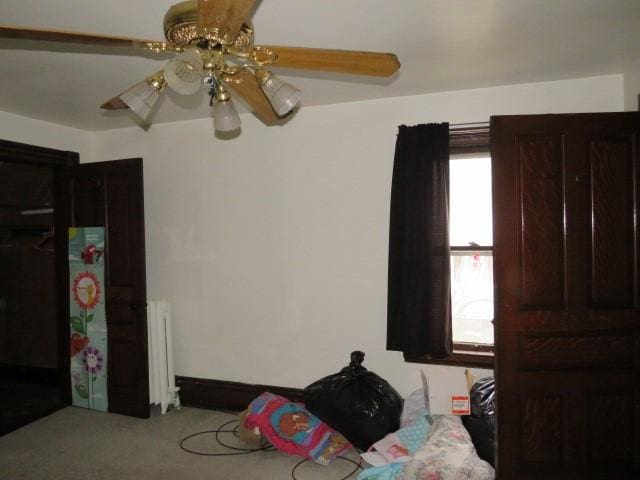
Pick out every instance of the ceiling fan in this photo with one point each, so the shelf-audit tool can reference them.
(214, 45)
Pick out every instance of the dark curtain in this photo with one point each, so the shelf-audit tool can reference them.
(419, 300)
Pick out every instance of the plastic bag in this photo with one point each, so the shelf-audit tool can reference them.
(358, 403)
(414, 406)
(481, 424)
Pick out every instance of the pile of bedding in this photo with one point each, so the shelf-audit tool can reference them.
(427, 447)
(447, 453)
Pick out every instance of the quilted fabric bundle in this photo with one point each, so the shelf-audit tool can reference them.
(292, 429)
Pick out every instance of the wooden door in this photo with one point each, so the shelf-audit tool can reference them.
(110, 194)
(566, 194)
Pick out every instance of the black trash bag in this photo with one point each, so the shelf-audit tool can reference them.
(358, 403)
(481, 424)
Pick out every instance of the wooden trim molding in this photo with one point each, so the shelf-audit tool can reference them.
(225, 395)
(49, 157)
(458, 359)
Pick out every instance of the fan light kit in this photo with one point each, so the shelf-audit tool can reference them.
(214, 45)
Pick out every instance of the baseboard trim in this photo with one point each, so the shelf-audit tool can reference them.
(224, 395)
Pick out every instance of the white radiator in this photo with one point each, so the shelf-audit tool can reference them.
(162, 380)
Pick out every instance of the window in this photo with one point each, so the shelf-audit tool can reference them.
(471, 240)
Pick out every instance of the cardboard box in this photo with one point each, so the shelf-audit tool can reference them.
(450, 397)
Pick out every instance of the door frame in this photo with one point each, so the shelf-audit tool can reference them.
(60, 161)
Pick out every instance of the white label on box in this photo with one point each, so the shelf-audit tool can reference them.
(460, 405)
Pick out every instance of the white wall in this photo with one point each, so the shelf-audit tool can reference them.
(632, 86)
(44, 134)
(272, 247)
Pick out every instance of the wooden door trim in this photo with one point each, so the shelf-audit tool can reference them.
(32, 154)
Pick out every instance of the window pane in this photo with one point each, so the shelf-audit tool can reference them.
(472, 297)
(470, 201)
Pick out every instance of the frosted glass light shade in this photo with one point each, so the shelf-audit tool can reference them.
(225, 116)
(141, 98)
(283, 96)
(184, 73)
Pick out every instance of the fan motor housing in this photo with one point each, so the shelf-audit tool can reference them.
(180, 23)
(181, 28)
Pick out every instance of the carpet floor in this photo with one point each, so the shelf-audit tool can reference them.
(74, 443)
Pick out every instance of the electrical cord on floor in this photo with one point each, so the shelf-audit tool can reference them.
(244, 451)
(217, 432)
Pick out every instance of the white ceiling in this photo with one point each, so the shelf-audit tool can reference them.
(442, 45)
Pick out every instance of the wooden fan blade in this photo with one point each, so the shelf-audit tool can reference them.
(244, 84)
(114, 104)
(32, 33)
(223, 16)
(341, 61)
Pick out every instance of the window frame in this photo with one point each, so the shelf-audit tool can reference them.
(466, 139)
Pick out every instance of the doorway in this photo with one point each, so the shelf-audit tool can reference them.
(32, 355)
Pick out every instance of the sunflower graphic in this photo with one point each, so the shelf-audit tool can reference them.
(86, 290)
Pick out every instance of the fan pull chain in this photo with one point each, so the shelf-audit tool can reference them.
(213, 84)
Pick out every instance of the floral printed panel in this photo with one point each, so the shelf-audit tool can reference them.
(88, 324)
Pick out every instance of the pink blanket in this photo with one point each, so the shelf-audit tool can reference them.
(292, 429)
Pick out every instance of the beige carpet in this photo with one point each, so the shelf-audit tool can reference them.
(75, 443)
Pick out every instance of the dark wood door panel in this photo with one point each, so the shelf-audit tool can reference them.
(542, 442)
(610, 431)
(540, 166)
(566, 196)
(576, 351)
(591, 432)
(123, 312)
(613, 207)
(110, 194)
(121, 190)
(88, 201)
(575, 319)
